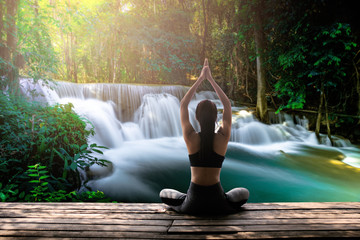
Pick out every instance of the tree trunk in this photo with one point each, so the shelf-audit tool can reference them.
(67, 56)
(68, 51)
(327, 121)
(1, 19)
(118, 68)
(318, 121)
(358, 92)
(357, 79)
(73, 58)
(110, 57)
(323, 102)
(182, 4)
(261, 104)
(2, 41)
(11, 42)
(65, 40)
(203, 51)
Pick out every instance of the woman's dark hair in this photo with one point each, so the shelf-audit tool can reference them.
(206, 114)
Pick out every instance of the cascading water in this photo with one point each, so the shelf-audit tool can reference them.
(141, 126)
(159, 116)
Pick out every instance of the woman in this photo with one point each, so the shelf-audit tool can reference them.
(206, 153)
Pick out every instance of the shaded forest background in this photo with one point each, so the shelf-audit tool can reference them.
(280, 54)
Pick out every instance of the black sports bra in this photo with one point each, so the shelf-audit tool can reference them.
(214, 161)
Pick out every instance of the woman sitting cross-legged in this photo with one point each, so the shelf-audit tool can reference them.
(206, 150)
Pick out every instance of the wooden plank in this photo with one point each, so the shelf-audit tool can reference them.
(72, 211)
(82, 227)
(102, 235)
(135, 211)
(297, 234)
(88, 221)
(267, 227)
(199, 222)
(162, 207)
(9, 234)
(84, 211)
(84, 206)
(329, 214)
(145, 216)
(232, 222)
(302, 205)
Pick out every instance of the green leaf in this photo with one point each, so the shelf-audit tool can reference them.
(83, 147)
(3, 197)
(42, 145)
(22, 195)
(73, 166)
(34, 181)
(43, 177)
(98, 151)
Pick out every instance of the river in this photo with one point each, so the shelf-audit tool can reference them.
(140, 125)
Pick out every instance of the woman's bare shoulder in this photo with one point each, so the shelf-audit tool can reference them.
(193, 142)
(220, 143)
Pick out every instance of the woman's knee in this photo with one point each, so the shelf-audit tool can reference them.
(170, 193)
(238, 195)
(172, 197)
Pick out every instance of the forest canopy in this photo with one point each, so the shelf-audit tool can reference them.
(285, 54)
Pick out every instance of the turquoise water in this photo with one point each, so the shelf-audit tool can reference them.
(279, 172)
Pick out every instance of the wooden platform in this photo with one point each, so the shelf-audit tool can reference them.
(154, 221)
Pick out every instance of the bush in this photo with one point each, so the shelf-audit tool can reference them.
(51, 137)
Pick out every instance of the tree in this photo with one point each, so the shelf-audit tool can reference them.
(9, 46)
(2, 41)
(35, 40)
(332, 48)
(261, 103)
(205, 7)
(314, 53)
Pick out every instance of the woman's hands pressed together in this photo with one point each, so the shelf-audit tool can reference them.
(204, 70)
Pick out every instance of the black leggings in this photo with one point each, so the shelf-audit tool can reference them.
(205, 199)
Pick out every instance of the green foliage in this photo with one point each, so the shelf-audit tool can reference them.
(83, 158)
(36, 136)
(40, 190)
(98, 42)
(30, 133)
(40, 186)
(321, 55)
(9, 192)
(34, 40)
(89, 196)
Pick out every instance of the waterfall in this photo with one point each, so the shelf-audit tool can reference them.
(153, 112)
(126, 97)
(141, 127)
(159, 116)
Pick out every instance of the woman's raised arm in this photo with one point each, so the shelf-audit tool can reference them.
(227, 113)
(187, 128)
